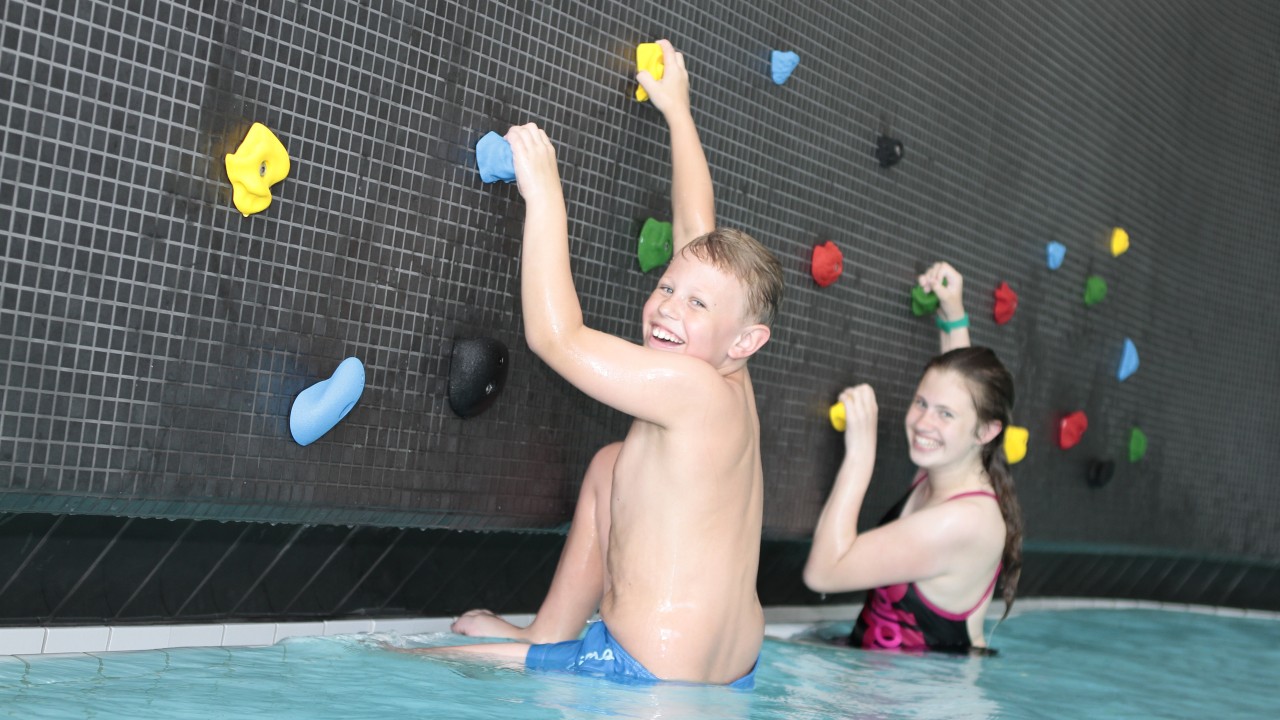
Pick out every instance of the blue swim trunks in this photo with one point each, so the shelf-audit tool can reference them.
(597, 654)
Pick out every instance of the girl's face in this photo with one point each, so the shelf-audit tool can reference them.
(942, 424)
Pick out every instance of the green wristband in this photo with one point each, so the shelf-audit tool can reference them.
(947, 326)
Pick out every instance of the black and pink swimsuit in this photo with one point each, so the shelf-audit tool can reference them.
(900, 617)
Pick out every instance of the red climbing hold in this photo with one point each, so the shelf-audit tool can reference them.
(1006, 303)
(828, 263)
(1071, 429)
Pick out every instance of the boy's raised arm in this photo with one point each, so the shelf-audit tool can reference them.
(693, 209)
(609, 369)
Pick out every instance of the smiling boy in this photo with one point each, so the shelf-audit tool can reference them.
(665, 538)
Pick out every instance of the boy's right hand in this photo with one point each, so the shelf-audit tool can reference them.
(671, 93)
(534, 159)
(861, 414)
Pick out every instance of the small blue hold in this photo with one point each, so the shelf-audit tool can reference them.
(1056, 251)
(318, 408)
(493, 157)
(782, 64)
(1128, 361)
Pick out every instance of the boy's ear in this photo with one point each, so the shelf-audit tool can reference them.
(751, 339)
(988, 432)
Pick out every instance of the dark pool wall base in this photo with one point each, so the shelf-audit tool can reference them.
(75, 569)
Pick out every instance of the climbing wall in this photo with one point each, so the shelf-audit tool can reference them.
(152, 339)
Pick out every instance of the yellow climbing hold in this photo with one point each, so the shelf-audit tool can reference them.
(838, 420)
(1015, 443)
(1119, 242)
(648, 57)
(260, 162)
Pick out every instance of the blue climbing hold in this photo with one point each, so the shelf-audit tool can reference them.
(1128, 360)
(781, 65)
(493, 157)
(318, 408)
(1056, 251)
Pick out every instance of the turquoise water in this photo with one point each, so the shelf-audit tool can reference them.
(1064, 664)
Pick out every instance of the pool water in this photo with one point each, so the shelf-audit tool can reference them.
(1051, 664)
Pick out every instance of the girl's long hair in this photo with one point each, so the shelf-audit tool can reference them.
(991, 386)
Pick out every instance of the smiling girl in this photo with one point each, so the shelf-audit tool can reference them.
(932, 563)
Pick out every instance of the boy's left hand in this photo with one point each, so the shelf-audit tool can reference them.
(534, 159)
(671, 93)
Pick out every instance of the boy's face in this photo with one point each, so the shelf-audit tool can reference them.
(696, 310)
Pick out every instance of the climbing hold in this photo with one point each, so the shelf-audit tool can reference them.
(827, 264)
(1119, 242)
(260, 162)
(654, 246)
(1095, 289)
(1056, 252)
(1015, 444)
(318, 408)
(782, 64)
(1099, 472)
(477, 374)
(493, 159)
(1071, 428)
(1006, 303)
(1137, 445)
(888, 151)
(648, 57)
(923, 303)
(837, 416)
(1128, 361)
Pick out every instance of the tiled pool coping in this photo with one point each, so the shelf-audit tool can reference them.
(782, 622)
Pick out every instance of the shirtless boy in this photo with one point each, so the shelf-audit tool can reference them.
(665, 539)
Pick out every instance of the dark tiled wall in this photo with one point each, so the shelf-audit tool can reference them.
(79, 569)
(152, 339)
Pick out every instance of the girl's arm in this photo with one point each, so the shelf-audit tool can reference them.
(837, 527)
(943, 280)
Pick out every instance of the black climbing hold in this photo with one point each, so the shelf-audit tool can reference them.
(1100, 472)
(888, 151)
(477, 374)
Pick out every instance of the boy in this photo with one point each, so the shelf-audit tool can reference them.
(665, 539)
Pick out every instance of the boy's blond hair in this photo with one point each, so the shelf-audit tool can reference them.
(743, 257)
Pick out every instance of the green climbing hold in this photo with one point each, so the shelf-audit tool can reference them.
(1137, 445)
(923, 303)
(654, 248)
(1095, 289)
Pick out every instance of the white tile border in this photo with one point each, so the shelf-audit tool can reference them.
(781, 622)
(1043, 604)
(139, 637)
(91, 638)
(22, 641)
(298, 629)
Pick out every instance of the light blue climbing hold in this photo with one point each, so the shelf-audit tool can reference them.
(781, 65)
(318, 408)
(493, 158)
(1128, 361)
(1056, 252)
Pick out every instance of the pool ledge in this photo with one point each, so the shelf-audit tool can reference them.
(781, 622)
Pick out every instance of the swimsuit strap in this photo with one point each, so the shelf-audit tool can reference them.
(990, 589)
(971, 494)
(999, 566)
(920, 477)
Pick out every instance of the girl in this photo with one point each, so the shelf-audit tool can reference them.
(932, 563)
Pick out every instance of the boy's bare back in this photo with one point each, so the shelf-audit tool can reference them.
(684, 545)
